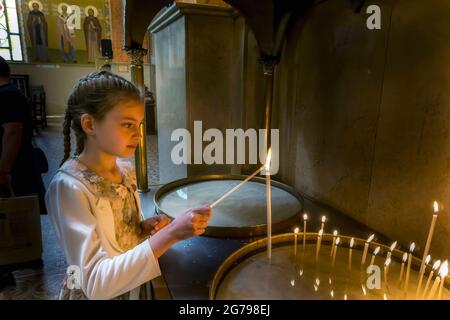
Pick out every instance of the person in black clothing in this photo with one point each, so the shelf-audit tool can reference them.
(19, 167)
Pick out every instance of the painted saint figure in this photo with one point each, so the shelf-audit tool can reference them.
(38, 31)
(66, 34)
(92, 34)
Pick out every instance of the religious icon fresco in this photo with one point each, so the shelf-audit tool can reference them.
(64, 32)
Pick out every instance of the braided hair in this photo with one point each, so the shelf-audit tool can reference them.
(95, 94)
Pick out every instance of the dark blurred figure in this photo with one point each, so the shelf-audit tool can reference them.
(19, 163)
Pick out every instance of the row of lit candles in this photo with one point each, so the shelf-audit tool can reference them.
(406, 259)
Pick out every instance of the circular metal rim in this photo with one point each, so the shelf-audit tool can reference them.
(234, 232)
(256, 246)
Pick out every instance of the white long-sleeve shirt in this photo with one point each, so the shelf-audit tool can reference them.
(84, 224)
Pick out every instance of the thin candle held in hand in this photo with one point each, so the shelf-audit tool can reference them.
(227, 194)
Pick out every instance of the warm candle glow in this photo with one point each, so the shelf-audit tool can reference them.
(393, 245)
(412, 247)
(370, 238)
(320, 232)
(338, 240)
(352, 242)
(436, 207)
(305, 217)
(335, 233)
(296, 230)
(387, 262)
(436, 265)
(324, 219)
(405, 257)
(427, 259)
(376, 251)
(443, 271)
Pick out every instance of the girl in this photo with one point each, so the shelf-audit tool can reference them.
(93, 203)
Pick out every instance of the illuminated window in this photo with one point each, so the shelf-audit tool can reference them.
(10, 36)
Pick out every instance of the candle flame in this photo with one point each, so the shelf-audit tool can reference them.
(443, 271)
(427, 259)
(315, 288)
(324, 219)
(338, 240)
(335, 233)
(332, 293)
(352, 242)
(293, 283)
(345, 296)
(393, 245)
(385, 296)
(370, 238)
(305, 217)
(375, 252)
(320, 232)
(436, 207)
(387, 262)
(318, 281)
(436, 265)
(364, 290)
(405, 256)
(268, 158)
(329, 280)
(300, 273)
(412, 247)
(296, 230)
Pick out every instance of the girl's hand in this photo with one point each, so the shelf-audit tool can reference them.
(191, 223)
(154, 224)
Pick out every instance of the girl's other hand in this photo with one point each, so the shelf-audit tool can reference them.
(152, 225)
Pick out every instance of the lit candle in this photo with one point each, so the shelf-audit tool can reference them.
(319, 240)
(269, 206)
(374, 254)
(232, 190)
(443, 273)
(350, 249)
(433, 270)
(439, 278)
(335, 233)
(366, 247)
(408, 268)
(427, 245)
(338, 240)
(421, 274)
(405, 257)
(295, 241)
(324, 219)
(305, 218)
(391, 249)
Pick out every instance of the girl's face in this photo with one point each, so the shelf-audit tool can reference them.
(118, 132)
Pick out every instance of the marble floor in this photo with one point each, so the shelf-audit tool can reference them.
(43, 282)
